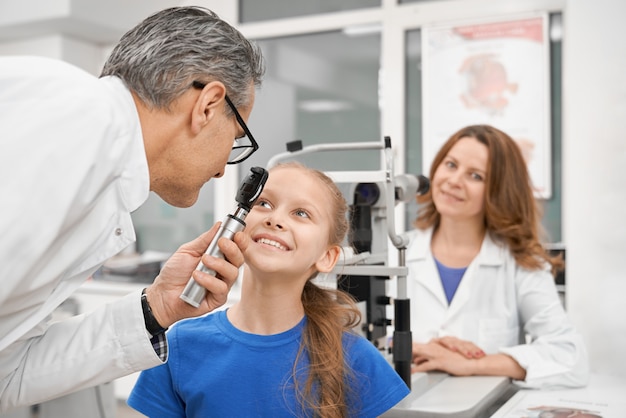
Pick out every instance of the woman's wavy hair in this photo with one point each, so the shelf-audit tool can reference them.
(329, 314)
(160, 57)
(512, 214)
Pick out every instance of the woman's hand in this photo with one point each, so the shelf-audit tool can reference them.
(434, 356)
(466, 348)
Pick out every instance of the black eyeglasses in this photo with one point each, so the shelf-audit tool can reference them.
(244, 146)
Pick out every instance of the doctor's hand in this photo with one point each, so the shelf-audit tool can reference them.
(164, 293)
(434, 356)
(466, 348)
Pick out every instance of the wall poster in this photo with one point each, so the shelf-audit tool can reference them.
(490, 72)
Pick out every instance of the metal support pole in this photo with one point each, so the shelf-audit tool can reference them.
(402, 338)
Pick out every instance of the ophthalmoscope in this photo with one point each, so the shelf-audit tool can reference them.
(248, 193)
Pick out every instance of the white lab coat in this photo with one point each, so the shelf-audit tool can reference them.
(73, 168)
(497, 305)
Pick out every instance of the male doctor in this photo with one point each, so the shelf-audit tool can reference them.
(78, 154)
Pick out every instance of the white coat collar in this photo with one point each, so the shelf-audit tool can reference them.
(135, 177)
(491, 253)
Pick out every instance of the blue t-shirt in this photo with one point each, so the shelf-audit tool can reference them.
(216, 370)
(450, 278)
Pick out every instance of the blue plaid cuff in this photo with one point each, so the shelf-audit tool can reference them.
(159, 343)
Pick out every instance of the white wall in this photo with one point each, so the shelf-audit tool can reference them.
(594, 159)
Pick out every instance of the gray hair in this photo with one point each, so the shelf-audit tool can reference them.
(160, 57)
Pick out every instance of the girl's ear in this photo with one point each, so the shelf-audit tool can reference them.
(328, 260)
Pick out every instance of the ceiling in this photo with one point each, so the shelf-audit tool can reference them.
(99, 22)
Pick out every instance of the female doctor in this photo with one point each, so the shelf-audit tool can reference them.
(482, 285)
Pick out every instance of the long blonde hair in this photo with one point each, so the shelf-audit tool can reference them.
(329, 314)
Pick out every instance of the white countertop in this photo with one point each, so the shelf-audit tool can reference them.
(605, 397)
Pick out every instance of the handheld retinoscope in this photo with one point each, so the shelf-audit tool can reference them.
(248, 193)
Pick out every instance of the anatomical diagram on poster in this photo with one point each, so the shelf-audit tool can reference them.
(494, 73)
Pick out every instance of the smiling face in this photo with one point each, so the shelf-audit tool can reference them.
(290, 226)
(458, 185)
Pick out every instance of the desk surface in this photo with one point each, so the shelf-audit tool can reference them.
(604, 397)
(440, 395)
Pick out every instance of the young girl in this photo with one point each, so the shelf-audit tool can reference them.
(286, 349)
(479, 278)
